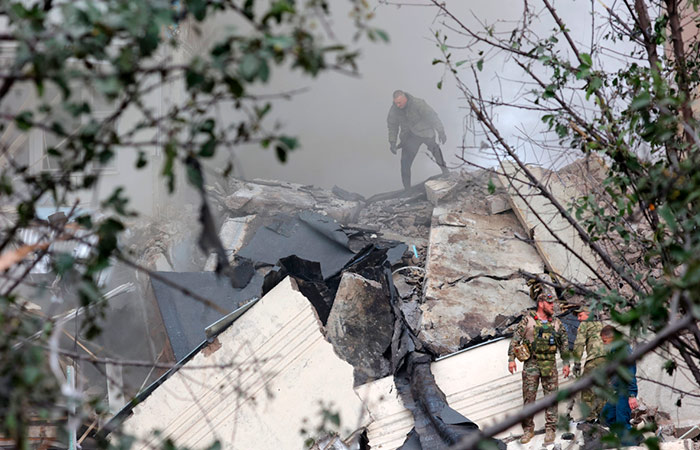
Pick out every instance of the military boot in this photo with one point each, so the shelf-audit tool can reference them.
(527, 436)
(549, 437)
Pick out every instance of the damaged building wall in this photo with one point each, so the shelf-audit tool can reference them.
(255, 397)
(675, 394)
(533, 210)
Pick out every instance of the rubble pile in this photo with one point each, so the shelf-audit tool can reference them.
(411, 289)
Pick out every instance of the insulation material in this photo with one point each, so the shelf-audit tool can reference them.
(256, 385)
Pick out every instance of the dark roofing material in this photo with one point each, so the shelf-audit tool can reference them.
(185, 318)
(309, 236)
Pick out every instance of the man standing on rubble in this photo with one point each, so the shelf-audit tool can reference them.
(418, 123)
(535, 342)
(588, 339)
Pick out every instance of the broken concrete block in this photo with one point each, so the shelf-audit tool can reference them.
(263, 196)
(360, 324)
(412, 313)
(257, 197)
(470, 260)
(267, 380)
(234, 234)
(440, 188)
(404, 289)
(162, 264)
(498, 204)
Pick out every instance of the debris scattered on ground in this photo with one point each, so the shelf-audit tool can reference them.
(394, 284)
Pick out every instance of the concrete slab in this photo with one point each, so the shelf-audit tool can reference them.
(485, 396)
(260, 196)
(256, 385)
(361, 324)
(532, 204)
(234, 233)
(440, 188)
(465, 245)
(498, 204)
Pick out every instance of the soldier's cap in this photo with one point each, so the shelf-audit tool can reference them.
(546, 296)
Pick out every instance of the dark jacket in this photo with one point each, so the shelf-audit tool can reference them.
(417, 117)
(626, 385)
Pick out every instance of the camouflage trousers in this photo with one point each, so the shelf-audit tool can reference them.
(593, 403)
(531, 379)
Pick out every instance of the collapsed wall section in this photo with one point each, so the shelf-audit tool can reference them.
(257, 385)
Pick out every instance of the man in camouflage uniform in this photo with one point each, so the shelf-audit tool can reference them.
(588, 339)
(418, 123)
(543, 334)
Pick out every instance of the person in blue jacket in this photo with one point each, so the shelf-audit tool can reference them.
(620, 412)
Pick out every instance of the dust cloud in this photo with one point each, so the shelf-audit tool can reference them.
(341, 120)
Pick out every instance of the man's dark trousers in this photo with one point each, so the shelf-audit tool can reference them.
(619, 413)
(410, 143)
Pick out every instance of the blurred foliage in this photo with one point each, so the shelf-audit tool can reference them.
(82, 66)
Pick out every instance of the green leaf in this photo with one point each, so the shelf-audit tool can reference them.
(24, 120)
(249, 66)
(280, 43)
(491, 186)
(198, 8)
(110, 87)
(334, 419)
(382, 34)
(168, 165)
(194, 176)
(118, 201)
(63, 263)
(586, 59)
(281, 152)
(670, 367)
(277, 11)
(668, 216)
(549, 91)
(595, 84)
(289, 142)
(234, 86)
(193, 78)
(641, 101)
(207, 126)
(208, 149)
(459, 63)
(480, 64)
(264, 71)
(439, 85)
(31, 374)
(141, 161)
